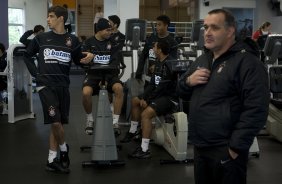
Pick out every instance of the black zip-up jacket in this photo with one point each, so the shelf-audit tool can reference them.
(56, 52)
(148, 52)
(233, 106)
(163, 82)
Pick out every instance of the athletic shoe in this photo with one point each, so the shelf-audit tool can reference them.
(116, 129)
(140, 154)
(64, 157)
(56, 167)
(89, 127)
(128, 137)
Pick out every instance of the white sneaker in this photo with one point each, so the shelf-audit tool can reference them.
(116, 129)
(89, 127)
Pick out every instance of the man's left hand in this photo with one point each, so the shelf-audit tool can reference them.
(233, 154)
(88, 58)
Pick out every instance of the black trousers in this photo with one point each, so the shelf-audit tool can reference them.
(214, 165)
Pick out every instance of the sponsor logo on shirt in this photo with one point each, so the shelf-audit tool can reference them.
(52, 54)
(102, 59)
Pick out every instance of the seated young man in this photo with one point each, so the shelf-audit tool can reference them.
(105, 53)
(158, 99)
(3, 79)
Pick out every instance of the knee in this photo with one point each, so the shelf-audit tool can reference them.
(135, 102)
(118, 89)
(147, 114)
(86, 92)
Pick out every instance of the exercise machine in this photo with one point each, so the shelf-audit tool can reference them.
(171, 130)
(273, 53)
(20, 104)
(135, 33)
(103, 148)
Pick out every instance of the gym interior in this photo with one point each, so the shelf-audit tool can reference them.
(24, 137)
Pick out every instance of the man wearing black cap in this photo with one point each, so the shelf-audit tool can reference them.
(105, 53)
(116, 37)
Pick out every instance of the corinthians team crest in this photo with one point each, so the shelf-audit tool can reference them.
(68, 42)
(109, 46)
(221, 66)
(51, 111)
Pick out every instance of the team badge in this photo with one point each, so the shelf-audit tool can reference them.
(51, 111)
(116, 38)
(68, 42)
(109, 46)
(220, 68)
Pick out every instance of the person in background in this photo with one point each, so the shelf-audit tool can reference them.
(116, 37)
(3, 64)
(99, 14)
(3, 79)
(228, 90)
(56, 50)
(264, 29)
(260, 36)
(162, 33)
(25, 38)
(69, 20)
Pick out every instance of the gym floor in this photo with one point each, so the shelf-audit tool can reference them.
(24, 151)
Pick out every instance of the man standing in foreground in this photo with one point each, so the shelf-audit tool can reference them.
(228, 91)
(56, 49)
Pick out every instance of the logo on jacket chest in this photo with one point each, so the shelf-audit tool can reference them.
(221, 67)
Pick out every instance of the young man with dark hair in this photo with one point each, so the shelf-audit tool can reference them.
(228, 90)
(105, 52)
(159, 98)
(36, 30)
(117, 37)
(56, 49)
(162, 33)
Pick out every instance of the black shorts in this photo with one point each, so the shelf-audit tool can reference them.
(94, 83)
(56, 104)
(162, 105)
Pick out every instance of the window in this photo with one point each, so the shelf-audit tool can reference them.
(16, 24)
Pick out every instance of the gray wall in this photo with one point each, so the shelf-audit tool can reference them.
(263, 12)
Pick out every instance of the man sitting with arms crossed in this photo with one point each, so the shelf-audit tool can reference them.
(158, 99)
